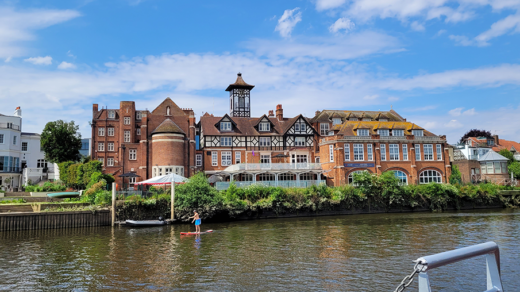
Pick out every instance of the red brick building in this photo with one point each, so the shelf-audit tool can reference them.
(355, 141)
(148, 143)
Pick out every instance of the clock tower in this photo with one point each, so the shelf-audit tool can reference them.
(239, 98)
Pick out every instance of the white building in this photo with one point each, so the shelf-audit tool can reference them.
(21, 158)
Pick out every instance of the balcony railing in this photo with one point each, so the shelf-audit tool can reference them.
(392, 138)
(284, 184)
(10, 170)
(9, 126)
(272, 166)
(428, 138)
(358, 137)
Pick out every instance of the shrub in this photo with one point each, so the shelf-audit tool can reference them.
(456, 176)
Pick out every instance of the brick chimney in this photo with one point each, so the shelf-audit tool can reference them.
(279, 112)
(271, 113)
(95, 107)
(317, 113)
(497, 141)
(18, 112)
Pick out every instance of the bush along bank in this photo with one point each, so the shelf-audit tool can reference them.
(371, 194)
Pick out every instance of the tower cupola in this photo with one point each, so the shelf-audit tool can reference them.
(239, 98)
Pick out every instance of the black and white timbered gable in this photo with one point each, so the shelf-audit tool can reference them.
(226, 124)
(265, 125)
(300, 133)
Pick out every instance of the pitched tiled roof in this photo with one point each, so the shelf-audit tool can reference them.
(349, 128)
(239, 83)
(506, 144)
(326, 115)
(168, 126)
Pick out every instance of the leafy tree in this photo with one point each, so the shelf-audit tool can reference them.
(455, 176)
(515, 169)
(507, 154)
(476, 133)
(61, 141)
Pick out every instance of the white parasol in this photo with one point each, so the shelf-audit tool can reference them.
(163, 180)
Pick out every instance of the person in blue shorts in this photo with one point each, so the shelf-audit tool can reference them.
(196, 219)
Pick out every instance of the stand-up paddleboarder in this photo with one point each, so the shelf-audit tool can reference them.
(196, 219)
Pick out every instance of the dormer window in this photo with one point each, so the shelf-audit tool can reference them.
(417, 133)
(363, 132)
(225, 126)
(111, 114)
(490, 142)
(167, 110)
(336, 121)
(383, 120)
(398, 133)
(367, 119)
(353, 119)
(384, 133)
(264, 127)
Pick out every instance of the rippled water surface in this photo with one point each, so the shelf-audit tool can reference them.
(348, 253)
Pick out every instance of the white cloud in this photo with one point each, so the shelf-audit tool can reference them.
(417, 26)
(342, 23)
(16, 27)
(328, 4)
(454, 124)
(65, 65)
(288, 21)
(503, 26)
(371, 97)
(47, 60)
(456, 111)
(8, 59)
(462, 40)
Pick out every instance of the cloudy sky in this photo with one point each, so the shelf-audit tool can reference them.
(448, 66)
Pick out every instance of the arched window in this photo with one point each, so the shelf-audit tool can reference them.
(429, 176)
(286, 176)
(266, 177)
(401, 176)
(351, 176)
(167, 110)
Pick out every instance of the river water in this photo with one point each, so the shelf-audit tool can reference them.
(333, 253)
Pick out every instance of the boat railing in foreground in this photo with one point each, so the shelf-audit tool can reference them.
(424, 264)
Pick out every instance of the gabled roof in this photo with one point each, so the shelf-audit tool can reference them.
(506, 144)
(175, 110)
(349, 128)
(326, 115)
(492, 156)
(290, 122)
(168, 126)
(225, 116)
(239, 83)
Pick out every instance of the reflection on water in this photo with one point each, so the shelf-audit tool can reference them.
(349, 253)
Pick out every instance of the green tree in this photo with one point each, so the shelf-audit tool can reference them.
(61, 141)
(515, 169)
(507, 154)
(455, 176)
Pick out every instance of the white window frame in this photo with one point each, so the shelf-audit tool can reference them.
(101, 132)
(428, 152)
(324, 129)
(398, 133)
(429, 176)
(126, 121)
(363, 132)
(101, 146)
(439, 151)
(132, 154)
(336, 121)
(138, 131)
(366, 119)
(346, 149)
(110, 161)
(303, 127)
(225, 158)
(383, 152)
(226, 141)
(331, 153)
(405, 152)
(198, 160)
(138, 115)
(418, 152)
(418, 133)
(297, 127)
(127, 136)
(370, 153)
(299, 141)
(102, 160)
(225, 126)
(383, 120)
(265, 157)
(238, 157)
(14, 140)
(394, 151)
(359, 156)
(111, 114)
(214, 158)
(110, 146)
(383, 132)
(264, 141)
(264, 127)
(111, 132)
(24, 149)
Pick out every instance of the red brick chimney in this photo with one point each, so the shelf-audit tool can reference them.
(271, 113)
(279, 112)
(497, 141)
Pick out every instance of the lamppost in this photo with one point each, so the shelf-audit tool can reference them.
(123, 158)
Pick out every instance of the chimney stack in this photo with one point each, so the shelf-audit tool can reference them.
(271, 113)
(279, 112)
(18, 112)
(317, 113)
(497, 141)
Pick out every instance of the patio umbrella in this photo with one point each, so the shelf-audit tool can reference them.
(163, 180)
(280, 156)
(129, 174)
(215, 178)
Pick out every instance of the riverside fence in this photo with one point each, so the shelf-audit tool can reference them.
(53, 220)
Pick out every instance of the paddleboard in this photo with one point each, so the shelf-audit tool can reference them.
(196, 233)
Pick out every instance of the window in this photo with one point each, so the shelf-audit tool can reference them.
(101, 146)
(331, 153)
(138, 131)
(102, 160)
(504, 167)
(300, 158)
(303, 127)
(127, 136)
(490, 142)
(214, 158)
(287, 176)
(101, 131)
(133, 154)
(358, 152)
(346, 148)
(336, 121)
(418, 152)
(138, 115)
(489, 167)
(110, 131)
(401, 176)
(299, 141)
(383, 151)
(24, 146)
(363, 132)
(111, 114)
(264, 127)
(110, 146)
(367, 119)
(265, 141)
(225, 126)
(428, 151)
(324, 129)
(383, 120)
(1, 138)
(225, 141)
(266, 177)
(353, 119)
(265, 159)
(127, 121)
(238, 157)
(398, 133)
(429, 176)
(384, 133)
(160, 171)
(439, 152)
(417, 133)
(405, 152)
(40, 163)
(225, 157)
(498, 169)
(297, 127)
(483, 167)
(351, 176)
(131, 180)
(370, 154)
(110, 161)
(14, 140)
(394, 151)
(198, 160)
(317, 159)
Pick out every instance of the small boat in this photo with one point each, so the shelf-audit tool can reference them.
(63, 195)
(145, 223)
(196, 233)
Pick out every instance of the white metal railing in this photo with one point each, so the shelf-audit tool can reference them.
(272, 166)
(358, 137)
(428, 138)
(392, 138)
(9, 126)
(284, 184)
(424, 264)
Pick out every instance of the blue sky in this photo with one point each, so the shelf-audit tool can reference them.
(448, 66)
